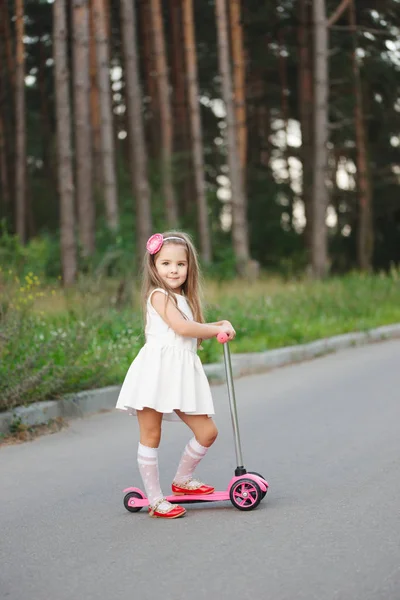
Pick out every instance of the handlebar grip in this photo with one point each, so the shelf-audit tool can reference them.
(222, 337)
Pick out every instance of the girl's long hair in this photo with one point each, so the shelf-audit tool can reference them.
(192, 288)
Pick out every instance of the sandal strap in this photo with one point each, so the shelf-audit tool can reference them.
(186, 484)
(157, 504)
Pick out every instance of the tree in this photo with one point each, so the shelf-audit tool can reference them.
(45, 114)
(5, 190)
(63, 120)
(282, 68)
(83, 153)
(106, 118)
(141, 188)
(97, 171)
(7, 39)
(20, 120)
(195, 125)
(305, 99)
(165, 113)
(7, 108)
(148, 68)
(184, 182)
(239, 221)
(365, 234)
(239, 80)
(319, 250)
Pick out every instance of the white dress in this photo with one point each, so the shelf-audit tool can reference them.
(167, 374)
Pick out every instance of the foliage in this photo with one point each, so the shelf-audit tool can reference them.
(41, 255)
(271, 42)
(46, 355)
(54, 342)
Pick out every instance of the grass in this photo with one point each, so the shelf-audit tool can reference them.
(20, 433)
(54, 342)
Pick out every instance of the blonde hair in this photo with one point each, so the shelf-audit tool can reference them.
(192, 286)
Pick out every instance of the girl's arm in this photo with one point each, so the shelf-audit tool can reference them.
(220, 323)
(172, 316)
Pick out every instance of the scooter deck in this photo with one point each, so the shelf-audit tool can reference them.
(188, 498)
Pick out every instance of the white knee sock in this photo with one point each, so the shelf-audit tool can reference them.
(191, 457)
(148, 467)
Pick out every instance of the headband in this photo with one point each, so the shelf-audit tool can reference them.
(155, 242)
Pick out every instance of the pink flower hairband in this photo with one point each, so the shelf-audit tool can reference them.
(155, 242)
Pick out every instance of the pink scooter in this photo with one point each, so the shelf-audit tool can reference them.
(245, 490)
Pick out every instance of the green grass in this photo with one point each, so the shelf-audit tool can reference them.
(54, 342)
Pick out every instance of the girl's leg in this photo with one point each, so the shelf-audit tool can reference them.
(150, 435)
(150, 427)
(203, 427)
(205, 433)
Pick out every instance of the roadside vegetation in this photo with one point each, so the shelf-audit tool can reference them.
(55, 341)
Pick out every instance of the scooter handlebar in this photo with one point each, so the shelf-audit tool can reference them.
(222, 337)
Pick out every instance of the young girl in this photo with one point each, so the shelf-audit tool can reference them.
(166, 379)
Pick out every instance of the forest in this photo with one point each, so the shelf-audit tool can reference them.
(268, 130)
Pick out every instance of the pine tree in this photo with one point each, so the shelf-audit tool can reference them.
(83, 153)
(63, 120)
(195, 124)
(141, 188)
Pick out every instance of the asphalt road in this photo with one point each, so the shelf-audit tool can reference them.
(324, 433)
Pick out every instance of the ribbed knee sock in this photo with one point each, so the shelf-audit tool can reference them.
(191, 457)
(148, 466)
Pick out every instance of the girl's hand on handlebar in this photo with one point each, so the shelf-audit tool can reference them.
(228, 330)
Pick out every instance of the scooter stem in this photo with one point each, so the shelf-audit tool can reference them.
(232, 406)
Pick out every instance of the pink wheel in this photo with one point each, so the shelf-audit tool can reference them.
(245, 494)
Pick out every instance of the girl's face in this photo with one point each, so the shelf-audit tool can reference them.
(172, 266)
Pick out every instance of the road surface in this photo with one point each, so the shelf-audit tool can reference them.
(326, 435)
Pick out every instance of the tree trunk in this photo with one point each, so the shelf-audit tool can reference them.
(150, 85)
(365, 238)
(20, 122)
(63, 119)
(133, 94)
(106, 118)
(97, 170)
(5, 189)
(239, 81)
(6, 33)
(305, 94)
(83, 153)
(165, 113)
(7, 100)
(45, 118)
(181, 118)
(259, 150)
(31, 224)
(239, 217)
(282, 66)
(178, 73)
(319, 252)
(195, 124)
(116, 119)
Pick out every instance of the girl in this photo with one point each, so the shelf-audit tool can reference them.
(166, 379)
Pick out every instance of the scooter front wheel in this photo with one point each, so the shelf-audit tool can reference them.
(245, 494)
(129, 501)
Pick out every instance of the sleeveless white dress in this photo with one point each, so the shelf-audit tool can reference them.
(167, 373)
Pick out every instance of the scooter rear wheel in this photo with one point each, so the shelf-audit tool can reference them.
(129, 501)
(245, 494)
(263, 494)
